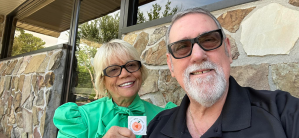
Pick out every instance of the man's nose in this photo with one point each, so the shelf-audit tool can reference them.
(198, 54)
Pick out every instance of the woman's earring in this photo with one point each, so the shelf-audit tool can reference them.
(106, 92)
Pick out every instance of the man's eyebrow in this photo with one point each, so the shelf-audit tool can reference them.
(184, 38)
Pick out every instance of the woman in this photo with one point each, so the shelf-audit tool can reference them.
(119, 75)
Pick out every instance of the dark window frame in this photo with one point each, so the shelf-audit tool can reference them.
(211, 7)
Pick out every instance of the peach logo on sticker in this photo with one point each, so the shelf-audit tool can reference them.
(137, 124)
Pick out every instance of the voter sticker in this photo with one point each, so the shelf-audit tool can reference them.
(137, 124)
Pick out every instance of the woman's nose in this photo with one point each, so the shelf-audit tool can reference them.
(124, 73)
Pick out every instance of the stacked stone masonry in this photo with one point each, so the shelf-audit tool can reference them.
(27, 94)
(264, 44)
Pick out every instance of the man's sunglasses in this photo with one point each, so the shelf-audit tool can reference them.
(115, 70)
(207, 41)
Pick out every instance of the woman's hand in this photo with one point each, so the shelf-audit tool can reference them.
(119, 132)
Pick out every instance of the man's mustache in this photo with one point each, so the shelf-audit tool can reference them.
(203, 66)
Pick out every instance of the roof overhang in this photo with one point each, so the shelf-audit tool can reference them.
(50, 17)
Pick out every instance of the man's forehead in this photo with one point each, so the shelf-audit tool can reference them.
(194, 20)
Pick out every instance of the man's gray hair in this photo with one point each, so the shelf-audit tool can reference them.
(180, 14)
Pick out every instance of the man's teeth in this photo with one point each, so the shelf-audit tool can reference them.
(200, 72)
(126, 84)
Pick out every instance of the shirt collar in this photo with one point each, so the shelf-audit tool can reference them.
(176, 124)
(117, 113)
(136, 107)
(236, 113)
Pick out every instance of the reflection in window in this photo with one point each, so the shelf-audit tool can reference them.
(162, 8)
(154, 11)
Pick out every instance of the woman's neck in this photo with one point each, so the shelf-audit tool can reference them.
(124, 102)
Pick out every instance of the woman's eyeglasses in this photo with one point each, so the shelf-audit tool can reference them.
(207, 41)
(115, 70)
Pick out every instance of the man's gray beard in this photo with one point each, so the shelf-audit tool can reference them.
(206, 91)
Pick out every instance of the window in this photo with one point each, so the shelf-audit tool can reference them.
(27, 41)
(162, 8)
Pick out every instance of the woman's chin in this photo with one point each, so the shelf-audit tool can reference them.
(127, 94)
(130, 95)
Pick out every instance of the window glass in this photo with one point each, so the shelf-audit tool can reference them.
(162, 8)
(91, 35)
(27, 41)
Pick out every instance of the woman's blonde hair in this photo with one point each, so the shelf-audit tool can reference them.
(114, 49)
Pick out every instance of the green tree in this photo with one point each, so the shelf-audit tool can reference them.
(90, 31)
(86, 73)
(155, 12)
(100, 30)
(168, 11)
(85, 69)
(25, 43)
(108, 26)
(140, 17)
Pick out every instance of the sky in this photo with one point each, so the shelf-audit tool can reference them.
(183, 4)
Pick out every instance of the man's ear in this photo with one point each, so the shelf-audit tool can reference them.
(169, 63)
(228, 49)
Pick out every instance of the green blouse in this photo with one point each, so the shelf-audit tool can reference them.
(94, 119)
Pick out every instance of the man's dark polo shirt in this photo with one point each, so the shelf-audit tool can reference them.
(247, 113)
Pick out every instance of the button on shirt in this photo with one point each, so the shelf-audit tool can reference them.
(247, 113)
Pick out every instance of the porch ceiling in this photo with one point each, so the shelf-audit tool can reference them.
(7, 7)
(50, 17)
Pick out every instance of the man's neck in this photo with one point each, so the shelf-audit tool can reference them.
(200, 118)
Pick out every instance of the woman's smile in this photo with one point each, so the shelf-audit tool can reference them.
(127, 84)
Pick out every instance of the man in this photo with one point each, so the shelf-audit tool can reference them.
(215, 105)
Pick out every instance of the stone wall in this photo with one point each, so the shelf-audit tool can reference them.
(2, 25)
(30, 91)
(265, 49)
